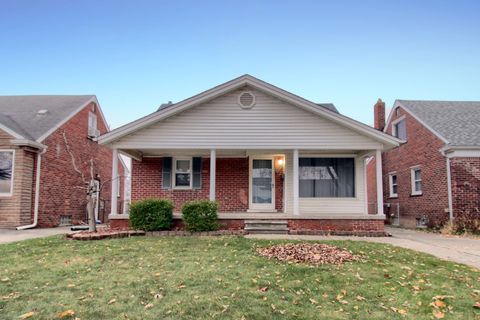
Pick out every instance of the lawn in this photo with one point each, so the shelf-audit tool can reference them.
(223, 278)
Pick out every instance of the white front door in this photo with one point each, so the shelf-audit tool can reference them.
(262, 184)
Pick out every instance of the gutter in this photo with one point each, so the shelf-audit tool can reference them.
(37, 192)
(449, 183)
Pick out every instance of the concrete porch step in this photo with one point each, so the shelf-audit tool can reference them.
(266, 226)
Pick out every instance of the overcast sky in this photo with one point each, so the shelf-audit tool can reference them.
(135, 55)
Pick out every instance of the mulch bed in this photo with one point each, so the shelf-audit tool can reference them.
(311, 253)
(105, 233)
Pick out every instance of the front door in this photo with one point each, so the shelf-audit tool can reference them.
(262, 184)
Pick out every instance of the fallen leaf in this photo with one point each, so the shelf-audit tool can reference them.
(159, 296)
(439, 304)
(263, 289)
(182, 286)
(112, 301)
(27, 315)
(148, 306)
(402, 311)
(439, 315)
(313, 301)
(477, 305)
(66, 313)
(70, 285)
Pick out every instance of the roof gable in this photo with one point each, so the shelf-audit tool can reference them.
(455, 122)
(247, 80)
(19, 115)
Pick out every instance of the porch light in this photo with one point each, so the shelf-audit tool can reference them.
(279, 165)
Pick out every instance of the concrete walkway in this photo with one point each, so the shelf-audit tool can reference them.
(11, 235)
(456, 249)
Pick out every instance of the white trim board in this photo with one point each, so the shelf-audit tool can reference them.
(259, 85)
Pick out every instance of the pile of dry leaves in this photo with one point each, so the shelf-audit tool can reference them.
(312, 253)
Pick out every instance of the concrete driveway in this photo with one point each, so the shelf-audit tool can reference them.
(11, 235)
(456, 249)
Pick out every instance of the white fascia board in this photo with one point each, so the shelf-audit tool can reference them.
(262, 86)
(28, 143)
(11, 132)
(399, 104)
(460, 151)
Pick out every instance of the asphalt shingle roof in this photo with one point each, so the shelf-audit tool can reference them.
(20, 113)
(456, 121)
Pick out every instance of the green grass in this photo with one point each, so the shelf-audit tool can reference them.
(220, 277)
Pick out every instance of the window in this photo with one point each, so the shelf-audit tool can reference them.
(392, 178)
(416, 181)
(182, 173)
(6, 172)
(327, 177)
(92, 121)
(399, 129)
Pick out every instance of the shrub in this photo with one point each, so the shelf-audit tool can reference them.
(200, 215)
(151, 214)
(464, 223)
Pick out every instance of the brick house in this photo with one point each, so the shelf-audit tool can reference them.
(435, 175)
(268, 157)
(48, 153)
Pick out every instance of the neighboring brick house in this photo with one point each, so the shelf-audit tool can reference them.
(268, 157)
(57, 135)
(435, 175)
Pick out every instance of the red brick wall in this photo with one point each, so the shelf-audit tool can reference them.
(232, 184)
(61, 191)
(421, 149)
(465, 173)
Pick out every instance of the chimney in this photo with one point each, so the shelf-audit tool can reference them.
(379, 115)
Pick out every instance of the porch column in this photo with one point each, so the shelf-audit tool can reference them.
(113, 204)
(213, 163)
(296, 205)
(378, 167)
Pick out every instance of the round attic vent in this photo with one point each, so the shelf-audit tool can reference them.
(246, 100)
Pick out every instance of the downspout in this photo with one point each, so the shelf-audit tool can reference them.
(37, 193)
(449, 188)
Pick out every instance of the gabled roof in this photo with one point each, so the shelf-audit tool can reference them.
(25, 117)
(457, 123)
(326, 112)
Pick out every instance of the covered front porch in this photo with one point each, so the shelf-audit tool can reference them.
(316, 187)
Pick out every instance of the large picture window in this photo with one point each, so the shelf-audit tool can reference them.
(327, 177)
(6, 172)
(183, 171)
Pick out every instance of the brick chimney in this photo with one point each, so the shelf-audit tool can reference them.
(379, 115)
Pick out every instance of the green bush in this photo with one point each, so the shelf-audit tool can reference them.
(151, 214)
(200, 215)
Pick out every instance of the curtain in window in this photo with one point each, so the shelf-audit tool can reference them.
(326, 177)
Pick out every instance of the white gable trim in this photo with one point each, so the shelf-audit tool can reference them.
(260, 85)
(71, 115)
(398, 104)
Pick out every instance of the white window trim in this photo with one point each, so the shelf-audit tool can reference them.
(390, 184)
(412, 180)
(174, 171)
(9, 194)
(394, 122)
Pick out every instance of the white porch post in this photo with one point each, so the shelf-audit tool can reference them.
(378, 167)
(296, 205)
(113, 204)
(213, 163)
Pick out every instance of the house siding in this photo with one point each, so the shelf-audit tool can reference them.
(421, 149)
(223, 124)
(231, 184)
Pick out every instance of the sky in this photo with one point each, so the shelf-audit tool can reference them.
(136, 55)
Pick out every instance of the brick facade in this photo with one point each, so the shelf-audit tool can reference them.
(465, 173)
(65, 168)
(422, 149)
(232, 184)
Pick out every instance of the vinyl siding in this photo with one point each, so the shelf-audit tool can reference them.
(270, 124)
(327, 206)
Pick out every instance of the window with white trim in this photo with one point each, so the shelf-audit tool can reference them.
(182, 173)
(393, 183)
(7, 160)
(416, 176)
(399, 129)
